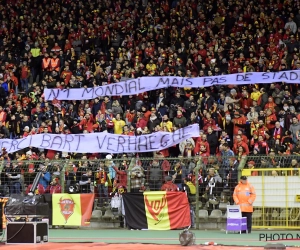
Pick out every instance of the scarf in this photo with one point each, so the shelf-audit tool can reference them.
(152, 118)
(277, 133)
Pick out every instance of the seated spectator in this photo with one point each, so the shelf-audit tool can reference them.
(54, 187)
(248, 170)
(39, 189)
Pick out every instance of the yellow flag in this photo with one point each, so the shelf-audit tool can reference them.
(156, 207)
(66, 209)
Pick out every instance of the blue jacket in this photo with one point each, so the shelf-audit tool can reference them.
(45, 180)
(5, 86)
(112, 172)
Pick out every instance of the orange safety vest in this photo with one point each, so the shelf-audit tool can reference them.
(45, 63)
(54, 64)
(244, 195)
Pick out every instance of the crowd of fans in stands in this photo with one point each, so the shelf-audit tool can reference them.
(77, 44)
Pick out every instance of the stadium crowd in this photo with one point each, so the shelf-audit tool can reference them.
(78, 44)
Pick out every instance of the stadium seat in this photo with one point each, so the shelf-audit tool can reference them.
(203, 214)
(96, 215)
(223, 206)
(275, 214)
(216, 214)
(200, 204)
(283, 214)
(108, 216)
(224, 217)
(257, 214)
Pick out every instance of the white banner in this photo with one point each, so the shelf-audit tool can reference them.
(143, 84)
(102, 142)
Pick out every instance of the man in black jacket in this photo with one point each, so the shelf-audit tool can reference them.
(212, 140)
(14, 176)
(207, 101)
(85, 182)
(263, 99)
(190, 190)
(231, 174)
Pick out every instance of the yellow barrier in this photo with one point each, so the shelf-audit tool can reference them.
(278, 198)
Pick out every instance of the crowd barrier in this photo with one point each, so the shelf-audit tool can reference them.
(275, 178)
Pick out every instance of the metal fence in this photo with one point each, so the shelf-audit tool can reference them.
(275, 178)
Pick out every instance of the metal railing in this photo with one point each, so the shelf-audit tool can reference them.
(275, 179)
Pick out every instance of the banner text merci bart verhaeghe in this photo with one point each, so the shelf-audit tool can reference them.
(102, 142)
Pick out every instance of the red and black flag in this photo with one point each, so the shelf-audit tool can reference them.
(157, 210)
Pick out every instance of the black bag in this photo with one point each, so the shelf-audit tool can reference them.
(27, 205)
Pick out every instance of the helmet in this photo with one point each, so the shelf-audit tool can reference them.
(187, 238)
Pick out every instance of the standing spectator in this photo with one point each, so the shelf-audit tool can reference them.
(294, 129)
(207, 101)
(190, 190)
(239, 123)
(118, 124)
(102, 183)
(70, 176)
(212, 140)
(232, 176)
(231, 99)
(14, 179)
(24, 79)
(263, 98)
(137, 179)
(179, 121)
(291, 25)
(240, 143)
(155, 175)
(116, 108)
(45, 177)
(169, 185)
(121, 177)
(85, 182)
